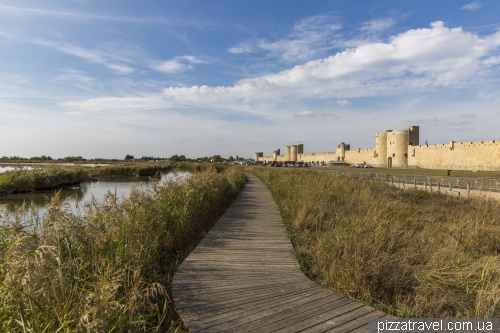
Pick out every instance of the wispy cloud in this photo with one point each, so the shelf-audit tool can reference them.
(75, 77)
(113, 58)
(378, 24)
(467, 115)
(177, 64)
(315, 114)
(308, 37)
(460, 128)
(243, 47)
(299, 140)
(414, 61)
(12, 10)
(473, 6)
(423, 120)
(343, 102)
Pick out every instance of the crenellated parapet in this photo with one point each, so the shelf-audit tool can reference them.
(402, 149)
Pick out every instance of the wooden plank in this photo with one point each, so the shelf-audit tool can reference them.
(243, 277)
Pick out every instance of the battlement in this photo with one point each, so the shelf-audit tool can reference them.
(401, 148)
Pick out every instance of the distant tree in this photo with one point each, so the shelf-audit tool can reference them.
(231, 158)
(182, 158)
(216, 158)
(175, 158)
(72, 158)
(129, 157)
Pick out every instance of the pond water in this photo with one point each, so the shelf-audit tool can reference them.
(82, 193)
(4, 168)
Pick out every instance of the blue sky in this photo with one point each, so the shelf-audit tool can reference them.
(110, 78)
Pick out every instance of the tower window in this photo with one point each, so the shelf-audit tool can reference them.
(393, 155)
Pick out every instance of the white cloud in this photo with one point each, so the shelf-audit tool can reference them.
(309, 36)
(460, 128)
(492, 61)
(473, 6)
(299, 140)
(467, 115)
(177, 64)
(11, 10)
(315, 114)
(423, 120)
(244, 47)
(343, 102)
(305, 114)
(378, 25)
(415, 60)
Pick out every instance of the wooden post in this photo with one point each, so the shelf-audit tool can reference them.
(451, 188)
(425, 186)
(415, 182)
(398, 184)
(404, 181)
(392, 181)
(439, 186)
(468, 189)
(430, 183)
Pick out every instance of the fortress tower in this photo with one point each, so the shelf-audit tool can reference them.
(293, 153)
(276, 153)
(257, 155)
(380, 154)
(340, 152)
(288, 155)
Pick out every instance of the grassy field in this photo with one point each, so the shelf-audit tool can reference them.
(426, 172)
(109, 269)
(410, 253)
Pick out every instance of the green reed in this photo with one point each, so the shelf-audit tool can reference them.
(109, 267)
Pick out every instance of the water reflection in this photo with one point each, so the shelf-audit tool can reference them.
(78, 195)
(4, 168)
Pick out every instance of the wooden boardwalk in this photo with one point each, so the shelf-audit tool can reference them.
(242, 277)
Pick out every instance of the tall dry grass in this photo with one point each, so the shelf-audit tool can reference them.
(410, 253)
(109, 268)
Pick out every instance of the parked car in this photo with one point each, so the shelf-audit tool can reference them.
(368, 166)
(339, 164)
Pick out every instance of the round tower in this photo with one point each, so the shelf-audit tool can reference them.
(397, 148)
(381, 149)
(293, 153)
(288, 156)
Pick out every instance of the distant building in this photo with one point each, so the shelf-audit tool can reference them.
(402, 149)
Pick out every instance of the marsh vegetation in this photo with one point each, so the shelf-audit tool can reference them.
(109, 268)
(408, 252)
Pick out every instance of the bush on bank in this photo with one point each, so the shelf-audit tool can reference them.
(23, 180)
(110, 269)
(411, 253)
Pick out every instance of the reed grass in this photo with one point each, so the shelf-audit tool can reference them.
(109, 267)
(145, 169)
(23, 180)
(408, 252)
